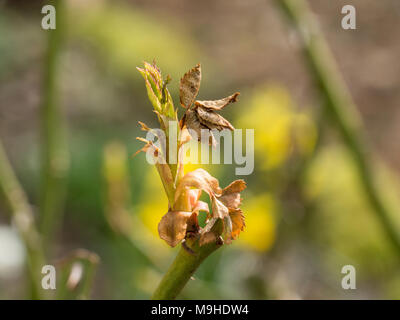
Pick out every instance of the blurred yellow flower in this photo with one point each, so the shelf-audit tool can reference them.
(278, 126)
(260, 228)
(155, 203)
(305, 133)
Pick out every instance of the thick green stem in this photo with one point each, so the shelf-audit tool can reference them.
(55, 155)
(183, 267)
(22, 215)
(340, 106)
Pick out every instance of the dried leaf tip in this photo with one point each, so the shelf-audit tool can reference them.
(189, 86)
(201, 114)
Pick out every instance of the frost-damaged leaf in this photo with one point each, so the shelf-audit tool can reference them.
(201, 206)
(218, 104)
(143, 126)
(198, 179)
(189, 86)
(173, 225)
(237, 222)
(147, 146)
(211, 232)
(212, 120)
(191, 121)
(195, 203)
(231, 194)
(194, 196)
(218, 208)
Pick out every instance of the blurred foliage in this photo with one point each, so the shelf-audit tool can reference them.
(123, 37)
(279, 126)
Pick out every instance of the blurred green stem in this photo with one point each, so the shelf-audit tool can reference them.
(55, 154)
(181, 270)
(22, 216)
(77, 274)
(339, 105)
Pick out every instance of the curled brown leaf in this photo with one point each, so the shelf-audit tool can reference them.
(198, 179)
(189, 86)
(218, 104)
(237, 222)
(231, 194)
(173, 225)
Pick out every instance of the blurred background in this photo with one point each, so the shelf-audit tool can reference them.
(307, 214)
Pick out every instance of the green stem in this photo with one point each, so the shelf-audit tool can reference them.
(183, 267)
(22, 215)
(55, 155)
(340, 106)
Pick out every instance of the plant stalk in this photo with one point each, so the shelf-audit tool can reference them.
(22, 215)
(55, 154)
(339, 106)
(181, 270)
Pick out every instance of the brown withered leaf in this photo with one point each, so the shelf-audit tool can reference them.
(198, 179)
(218, 104)
(208, 237)
(143, 126)
(147, 146)
(189, 86)
(231, 194)
(203, 116)
(173, 225)
(219, 210)
(191, 120)
(194, 196)
(211, 232)
(212, 120)
(238, 223)
(201, 206)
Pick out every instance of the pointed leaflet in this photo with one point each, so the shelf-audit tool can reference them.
(152, 92)
(189, 86)
(218, 104)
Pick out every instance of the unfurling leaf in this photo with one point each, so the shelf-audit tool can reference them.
(173, 225)
(157, 91)
(189, 86)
